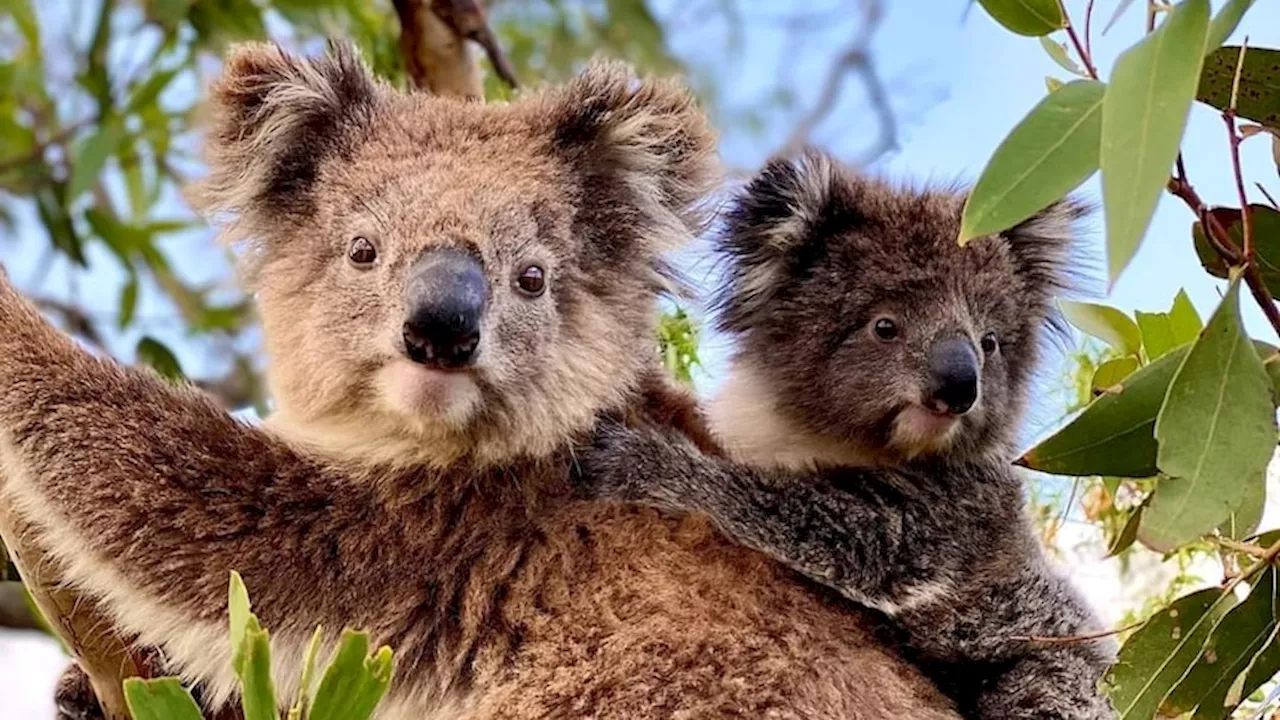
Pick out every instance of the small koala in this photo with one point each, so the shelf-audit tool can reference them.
(880, 375)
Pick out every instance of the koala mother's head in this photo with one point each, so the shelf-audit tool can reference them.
(440, 278)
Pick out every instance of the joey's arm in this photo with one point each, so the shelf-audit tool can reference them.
(865, 539)
(149, 495)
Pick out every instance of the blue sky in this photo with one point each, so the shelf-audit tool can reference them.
(958, 82)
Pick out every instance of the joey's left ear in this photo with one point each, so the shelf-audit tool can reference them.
(645, 150)
(1045, 246)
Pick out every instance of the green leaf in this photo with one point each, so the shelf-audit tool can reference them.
(1238, 637)
(1050, 153)
(1027, 17)
(1159, 653)
(302, 707)
(1144, 113)
(1259, 98)
(1262, 668)
(160, 699)
(1225, 23)
(1111, 374)
(1058, 53)
(354, 683)
(153, 353)
(1053, 84)
(1184, 320)
(1113, 434)
(1105, 323)
(1128, 533)
(1247, 515)
(128, 302)
(1157, 333)
(1266, 242)
(252, 664)
(1216, 432)
(238, 610)
(90, 157)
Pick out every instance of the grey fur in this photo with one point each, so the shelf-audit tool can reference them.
(933, 535)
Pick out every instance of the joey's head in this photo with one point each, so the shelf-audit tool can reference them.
(865, 327)
(440, 278)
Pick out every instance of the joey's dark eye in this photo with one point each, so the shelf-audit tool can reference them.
(885, 329)
(532, 281)
(990, 343)
(362, 253)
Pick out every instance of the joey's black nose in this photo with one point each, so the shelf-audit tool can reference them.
(955, 371)
(446, 297)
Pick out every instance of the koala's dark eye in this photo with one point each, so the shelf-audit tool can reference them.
(990, 343)
(362, 253)
(885, 329)
(532, 281)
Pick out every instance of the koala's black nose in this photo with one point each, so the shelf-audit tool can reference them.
(955, 376)
(447, 293)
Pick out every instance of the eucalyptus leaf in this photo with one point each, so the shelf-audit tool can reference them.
(1225, 22)
(1047, 155)
(153, 353)
(1112, 373)
(1259, 98)
(1159, 653)
(91, 156)
(160, 699)
(1113, 434)
(1238, 637)
(354, 682)
(1105, 323)
(1216, 432)
(1144, 113)
(1058, 53)
(1026, 17)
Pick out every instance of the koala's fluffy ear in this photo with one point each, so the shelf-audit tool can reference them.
(274, 118)
(641, 145)
(779, 211)
(1045, 246)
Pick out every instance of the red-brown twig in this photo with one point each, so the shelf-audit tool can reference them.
(1068, 639)
(1081, 48)
(1088, 24)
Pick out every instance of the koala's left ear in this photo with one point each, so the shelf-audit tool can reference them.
(1046, 244)
(641, 145)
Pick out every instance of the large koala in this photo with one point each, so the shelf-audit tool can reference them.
(452, 294)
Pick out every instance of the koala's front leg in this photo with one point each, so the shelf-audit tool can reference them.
(147, 496)
(864, 542)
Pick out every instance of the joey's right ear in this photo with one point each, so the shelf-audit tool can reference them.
(275, 117)
(777, 213)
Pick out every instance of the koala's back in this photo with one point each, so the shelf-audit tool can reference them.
(642, 615)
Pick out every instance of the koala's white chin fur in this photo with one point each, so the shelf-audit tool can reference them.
(423, 394)
(919, 431)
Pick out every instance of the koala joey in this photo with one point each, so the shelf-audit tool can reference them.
(880, 373)
(451, 294)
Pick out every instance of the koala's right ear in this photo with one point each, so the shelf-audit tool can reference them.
(776, 214)
(274, 118)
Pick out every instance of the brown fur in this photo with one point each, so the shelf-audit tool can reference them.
(454, 536)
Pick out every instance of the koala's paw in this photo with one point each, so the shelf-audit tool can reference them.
(74, 698)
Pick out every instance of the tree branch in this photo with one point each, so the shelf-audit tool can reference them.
(855, 59)
(433, 35)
